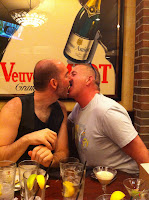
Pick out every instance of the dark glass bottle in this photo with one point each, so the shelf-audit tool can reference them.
(81, 38)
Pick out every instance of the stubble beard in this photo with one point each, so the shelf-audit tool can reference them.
(62, 93)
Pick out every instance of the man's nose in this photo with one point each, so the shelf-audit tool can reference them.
(70, 76)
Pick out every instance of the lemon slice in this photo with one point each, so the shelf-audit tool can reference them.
(69, 189)
(30, 181)
(0, 189)
(40, 181)
(117, 195)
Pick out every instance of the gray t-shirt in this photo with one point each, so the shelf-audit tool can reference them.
(102, 128)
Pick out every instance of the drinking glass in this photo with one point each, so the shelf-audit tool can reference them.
(66, 161)
(7, 179)
(35, 191)
(134, 186)
(26, 165)
(73, 181)
(104, 175)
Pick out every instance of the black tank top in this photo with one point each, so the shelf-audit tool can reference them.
(30, 122)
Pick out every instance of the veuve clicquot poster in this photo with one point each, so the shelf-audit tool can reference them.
(76, 31)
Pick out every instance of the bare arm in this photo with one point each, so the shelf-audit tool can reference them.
(61, 150)
(137, 150)
(10, 117)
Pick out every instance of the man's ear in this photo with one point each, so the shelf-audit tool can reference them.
(89, 80)
(53, 83)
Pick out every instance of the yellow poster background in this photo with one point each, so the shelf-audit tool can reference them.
(47, 42)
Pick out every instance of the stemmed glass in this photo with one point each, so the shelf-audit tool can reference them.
(134, 186)
(104, 175)
(142, 196)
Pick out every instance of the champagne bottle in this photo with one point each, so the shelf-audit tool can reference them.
(81, 38)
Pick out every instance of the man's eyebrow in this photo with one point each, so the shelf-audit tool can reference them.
(73, 72)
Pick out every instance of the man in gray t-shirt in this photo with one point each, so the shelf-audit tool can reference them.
(104, 134)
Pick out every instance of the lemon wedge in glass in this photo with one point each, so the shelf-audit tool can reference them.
(30, 181)
(40, 180)
(68, 189)
(117, 195)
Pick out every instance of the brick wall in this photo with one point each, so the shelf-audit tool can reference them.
(141, 71)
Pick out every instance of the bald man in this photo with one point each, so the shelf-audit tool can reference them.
(34, 126)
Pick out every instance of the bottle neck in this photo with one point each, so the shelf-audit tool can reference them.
(93, 7)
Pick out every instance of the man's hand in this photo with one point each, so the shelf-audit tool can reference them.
(45, 136)
(42, 155)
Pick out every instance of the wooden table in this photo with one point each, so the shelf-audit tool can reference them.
(92, 187)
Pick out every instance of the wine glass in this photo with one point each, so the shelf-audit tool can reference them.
(104, 175)
(134, 186)
(142, 196)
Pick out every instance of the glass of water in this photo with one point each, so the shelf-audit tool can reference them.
(66, 161)
(73, 181)
(35, 190)
(26, 165)
(7, 179)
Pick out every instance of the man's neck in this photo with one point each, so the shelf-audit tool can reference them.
(86, 97)
(44, 99)
(42, 104)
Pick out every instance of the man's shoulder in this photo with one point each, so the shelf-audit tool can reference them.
(13, 106)
(26, 96)
(14, 102)
(103, 103)
(109, 108)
